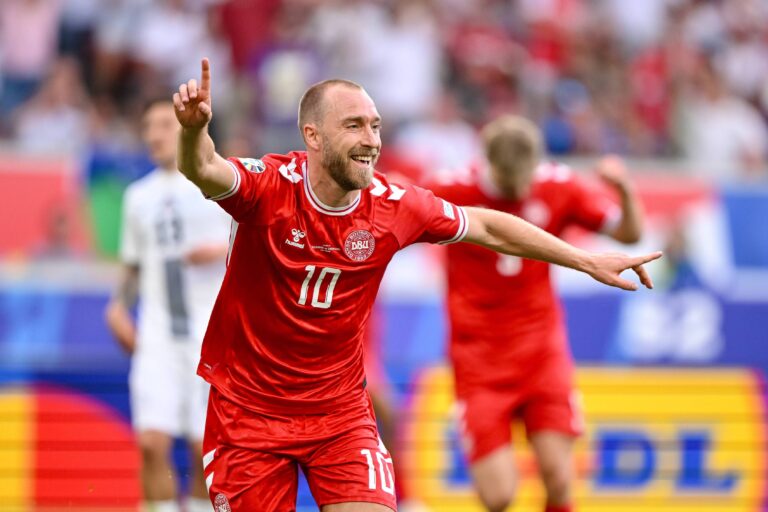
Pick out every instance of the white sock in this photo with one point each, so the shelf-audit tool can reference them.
(162, 506)
(199, 505)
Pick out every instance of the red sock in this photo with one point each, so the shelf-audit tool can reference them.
(559, 508)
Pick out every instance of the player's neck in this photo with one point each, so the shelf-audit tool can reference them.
(327, 190)
(168, 168)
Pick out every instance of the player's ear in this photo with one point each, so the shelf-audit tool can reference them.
(311, 136)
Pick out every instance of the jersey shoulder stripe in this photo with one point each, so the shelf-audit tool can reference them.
(389, 192)
(553, 172)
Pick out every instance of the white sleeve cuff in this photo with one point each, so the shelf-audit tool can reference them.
(233, 189)
(463, 228)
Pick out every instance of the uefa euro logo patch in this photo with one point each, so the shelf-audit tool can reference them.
(253, 165)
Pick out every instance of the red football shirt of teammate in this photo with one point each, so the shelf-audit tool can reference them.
(508, 344)
(285, 337)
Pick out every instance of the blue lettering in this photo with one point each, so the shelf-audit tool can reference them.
(457, 473)
(694, 447)
(627, 460)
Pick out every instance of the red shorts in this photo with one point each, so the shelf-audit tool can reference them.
(251, 460)
(547, 401)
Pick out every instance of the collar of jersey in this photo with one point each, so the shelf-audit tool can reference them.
(318, 205)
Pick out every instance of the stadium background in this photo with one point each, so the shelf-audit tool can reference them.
(673, 380)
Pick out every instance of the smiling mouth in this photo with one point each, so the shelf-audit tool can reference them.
(366, 160)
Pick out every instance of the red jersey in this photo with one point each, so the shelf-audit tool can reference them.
(502, 308)
(286, 331)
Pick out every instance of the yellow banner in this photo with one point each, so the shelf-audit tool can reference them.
(677, 440)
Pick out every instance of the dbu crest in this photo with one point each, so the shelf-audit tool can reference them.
(221, 504)
(359, 245)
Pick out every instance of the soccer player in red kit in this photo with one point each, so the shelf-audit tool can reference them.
(507, 344)
(314, 231)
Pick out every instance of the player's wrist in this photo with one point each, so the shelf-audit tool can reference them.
(586, 262)
(189, 133)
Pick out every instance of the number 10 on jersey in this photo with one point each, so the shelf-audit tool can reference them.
(317, 285)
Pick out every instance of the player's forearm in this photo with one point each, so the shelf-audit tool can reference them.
(120, 323)
(208, 253)
(127, 292)
(196, 153)
(200, 163)
(512, 235)
(630, 227)
(117, 313)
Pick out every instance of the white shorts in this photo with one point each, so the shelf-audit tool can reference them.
(166, 393)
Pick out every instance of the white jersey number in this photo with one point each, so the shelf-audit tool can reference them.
(316, 302)
(385, 471)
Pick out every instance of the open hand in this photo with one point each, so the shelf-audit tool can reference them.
(607, 268)
(193, 103)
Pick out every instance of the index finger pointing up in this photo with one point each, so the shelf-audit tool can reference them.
(205, 80)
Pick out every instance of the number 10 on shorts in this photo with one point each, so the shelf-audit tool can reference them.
(385, 471)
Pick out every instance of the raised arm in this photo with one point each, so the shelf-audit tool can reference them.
(197, 157)
(508, 234)
(614, 172)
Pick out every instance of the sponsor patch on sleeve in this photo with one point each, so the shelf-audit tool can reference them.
(253, 165)
(448, 210)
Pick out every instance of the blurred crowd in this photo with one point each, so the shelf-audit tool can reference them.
(650, 78)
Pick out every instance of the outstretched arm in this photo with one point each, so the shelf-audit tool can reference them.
(508, 234)
(614, 172)
(197, 156)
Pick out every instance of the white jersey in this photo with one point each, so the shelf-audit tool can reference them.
(165, 217)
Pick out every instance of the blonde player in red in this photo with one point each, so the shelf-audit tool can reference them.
(314, 233)
(508, 344)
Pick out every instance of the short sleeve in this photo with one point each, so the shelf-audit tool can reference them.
(252, 177)
(130, 235)
(592, 209)
(427, 218)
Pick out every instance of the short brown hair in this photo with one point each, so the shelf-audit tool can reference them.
(151, 102)
(311, 106)
(512, 144)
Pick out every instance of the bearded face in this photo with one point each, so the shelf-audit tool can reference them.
(352, 169)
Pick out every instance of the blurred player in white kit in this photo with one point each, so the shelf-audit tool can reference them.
(174, 248)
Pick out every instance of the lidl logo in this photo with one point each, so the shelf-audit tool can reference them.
(673, 439)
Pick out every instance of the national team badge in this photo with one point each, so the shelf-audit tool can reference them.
(221, 503)
(253, 165)
(359, 245)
